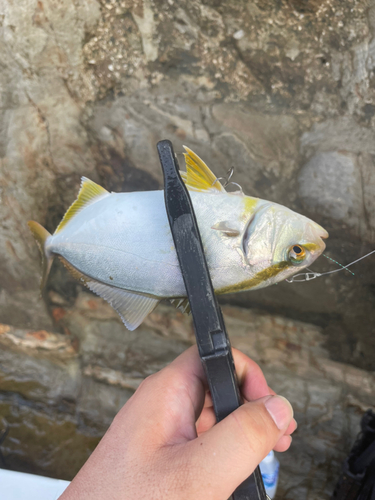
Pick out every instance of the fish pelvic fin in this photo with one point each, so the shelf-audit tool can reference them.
(182, 304)
(198, 176)
(89, 193)
(132, 307)
(41, 234)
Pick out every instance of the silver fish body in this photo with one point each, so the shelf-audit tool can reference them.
(124, 240)
(121, 246)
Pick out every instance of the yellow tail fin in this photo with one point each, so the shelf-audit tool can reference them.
(40, 234)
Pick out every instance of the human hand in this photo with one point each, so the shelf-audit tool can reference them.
(163, 443)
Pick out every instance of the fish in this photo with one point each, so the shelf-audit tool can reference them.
(119, 245)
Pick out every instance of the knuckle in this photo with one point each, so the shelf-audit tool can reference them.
(147, 384)
(144, 384)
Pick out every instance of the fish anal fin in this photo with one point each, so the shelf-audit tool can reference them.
(198, 176)
(227, 227)
(41, 234)
(89, 193)
(132, 307)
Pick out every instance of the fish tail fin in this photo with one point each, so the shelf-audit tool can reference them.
(40, 234)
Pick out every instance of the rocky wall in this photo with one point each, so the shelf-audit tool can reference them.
(283, 91)
(71, 386)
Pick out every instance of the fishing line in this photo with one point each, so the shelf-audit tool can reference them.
(338, 263)
(312, 275)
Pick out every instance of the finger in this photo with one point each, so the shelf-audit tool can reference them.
(164, 408)
(292, 427)
(250, 376)
(206, 420)
(283, 444)
(236, 445)
(208, 403)
(186, 374)
(293, 424)
(173, 398)
(252, 382)
(188, 367)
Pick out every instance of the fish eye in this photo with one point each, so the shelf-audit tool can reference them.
(296, 254)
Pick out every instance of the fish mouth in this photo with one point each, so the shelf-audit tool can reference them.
(321, 232)
(317, 245)
(323, 236)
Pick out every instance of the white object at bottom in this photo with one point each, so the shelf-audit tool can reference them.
(21, 486)
(269, 468)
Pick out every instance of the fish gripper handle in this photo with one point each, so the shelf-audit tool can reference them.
(212, 339)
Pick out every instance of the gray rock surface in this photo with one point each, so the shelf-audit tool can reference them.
(331, 184)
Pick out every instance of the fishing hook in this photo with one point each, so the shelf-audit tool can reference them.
(312, 275)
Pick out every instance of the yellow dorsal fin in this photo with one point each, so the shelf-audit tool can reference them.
(89, 193)
(198, 176)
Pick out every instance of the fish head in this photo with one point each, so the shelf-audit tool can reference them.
(279, 243)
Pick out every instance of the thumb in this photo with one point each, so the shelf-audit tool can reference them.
(230, 451)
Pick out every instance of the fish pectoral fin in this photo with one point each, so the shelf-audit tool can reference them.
(132, 307)
(227, 227)
(88, 194)
(198, 176)
(181, 304)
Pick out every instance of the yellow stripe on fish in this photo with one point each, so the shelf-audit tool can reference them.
(249, 206)
(259, 279)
